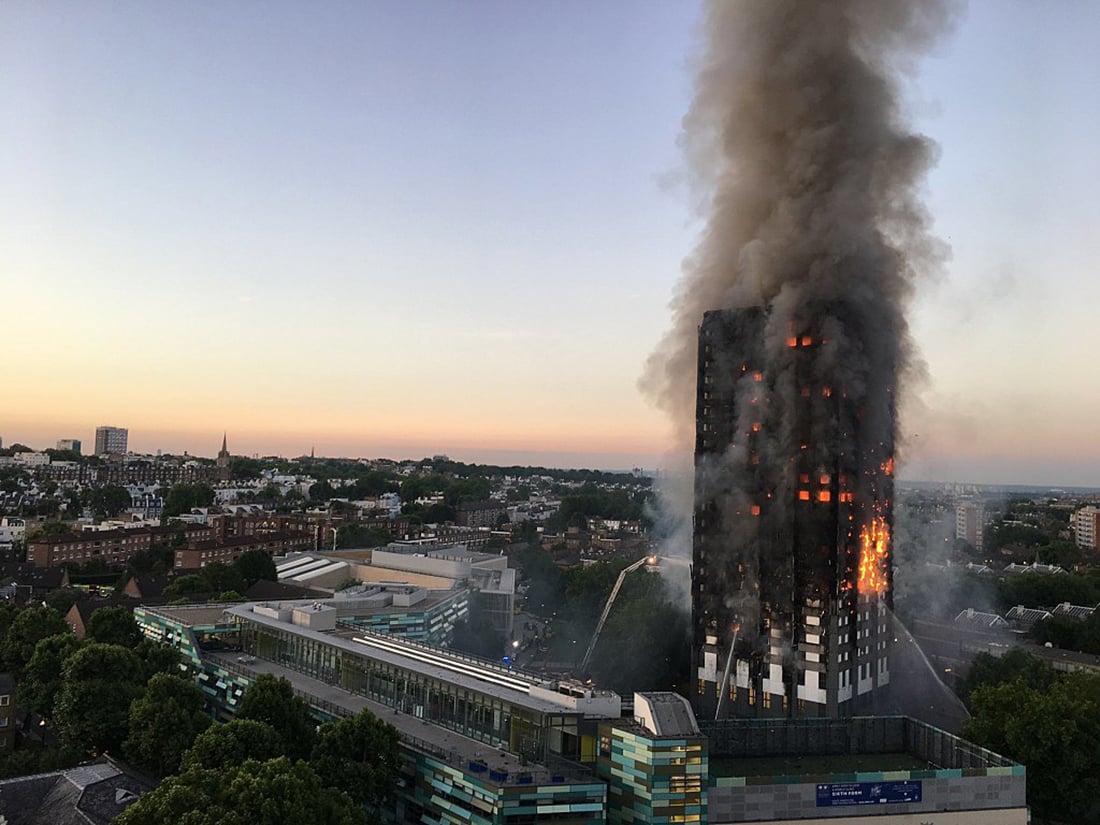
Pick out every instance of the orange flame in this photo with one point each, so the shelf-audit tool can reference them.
(874, 544)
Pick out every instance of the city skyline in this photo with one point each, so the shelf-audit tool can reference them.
(402, 231)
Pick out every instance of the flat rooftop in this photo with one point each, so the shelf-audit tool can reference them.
(444, 744)
(495, 681)
(432, 598)
(192, 615)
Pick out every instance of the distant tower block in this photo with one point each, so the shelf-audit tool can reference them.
(970, 522)
(791, 574)
(111, 440)
(72, 444)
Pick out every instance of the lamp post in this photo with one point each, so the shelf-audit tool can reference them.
(333, 529)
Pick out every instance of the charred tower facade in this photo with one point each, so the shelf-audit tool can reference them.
(791, 574)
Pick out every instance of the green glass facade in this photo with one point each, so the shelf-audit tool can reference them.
(653, 779)
(436, 787)
(444, 794)
(434, 625)
(439, 700)
(222, 689)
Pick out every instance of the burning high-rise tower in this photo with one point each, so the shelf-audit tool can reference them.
(789, 339)
(791, 576)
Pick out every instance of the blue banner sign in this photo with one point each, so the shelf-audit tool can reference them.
(867, 793)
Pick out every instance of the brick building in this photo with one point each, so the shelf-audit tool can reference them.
(232, 525)
(198, 554)
(115, 547)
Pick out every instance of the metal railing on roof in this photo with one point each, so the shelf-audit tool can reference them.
(488, 664)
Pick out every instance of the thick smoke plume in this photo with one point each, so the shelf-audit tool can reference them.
(808, 179)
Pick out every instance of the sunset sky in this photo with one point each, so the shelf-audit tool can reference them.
(406, 228)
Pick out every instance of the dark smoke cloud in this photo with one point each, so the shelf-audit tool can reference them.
(808, 178)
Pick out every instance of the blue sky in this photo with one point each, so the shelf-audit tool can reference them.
(410, 228)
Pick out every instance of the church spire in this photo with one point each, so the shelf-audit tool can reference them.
(224, 460)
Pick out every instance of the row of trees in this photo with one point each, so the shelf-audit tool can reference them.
(271, 764)
(1049, 722)
(120, 693)
(1070, 634)
(591, 501)
(225, 582)
(89, 690)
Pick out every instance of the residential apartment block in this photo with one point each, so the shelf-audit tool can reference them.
(111, 440)
(1086, 528)
(199, 553)
(970, 522)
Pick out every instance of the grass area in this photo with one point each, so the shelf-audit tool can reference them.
(803, 765)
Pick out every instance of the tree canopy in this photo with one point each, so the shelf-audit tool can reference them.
(182, 497)
(98, 683)
(108, 501)
(359, 756)
(28, 627)
(1016, 665)
(1054, 731)
(114, 626)
(272, 700)
(274, 792)
(164, 722)
(192, 584)
(42, 677)
(223, 746)
(254, 565)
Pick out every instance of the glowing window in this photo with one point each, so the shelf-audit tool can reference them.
(806, 340)
(803, 495)
(824, 495)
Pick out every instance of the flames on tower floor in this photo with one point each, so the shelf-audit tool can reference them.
(791, 572)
